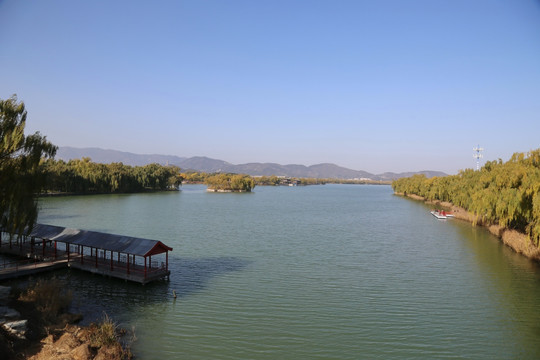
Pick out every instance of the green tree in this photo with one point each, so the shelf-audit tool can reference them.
(21, 178)
(234, 182)
(507, 194)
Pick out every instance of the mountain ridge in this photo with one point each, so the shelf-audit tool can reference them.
(206, 164)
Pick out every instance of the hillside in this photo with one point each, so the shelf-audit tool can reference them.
(205, 164)
(108, 156)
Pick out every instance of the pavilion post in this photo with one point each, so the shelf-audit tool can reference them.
(167, 260)
(43, 250)
(128, 263)
(96, 257)
(112, 260)
(55, 253)
(145, 267)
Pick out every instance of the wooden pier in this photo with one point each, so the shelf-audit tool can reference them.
(18, 269)
(50, 247)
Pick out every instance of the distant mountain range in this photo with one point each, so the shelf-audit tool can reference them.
(205, 164)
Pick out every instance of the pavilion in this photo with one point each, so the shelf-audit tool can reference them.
(125, 257)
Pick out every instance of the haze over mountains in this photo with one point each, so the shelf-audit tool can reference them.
(205, 164)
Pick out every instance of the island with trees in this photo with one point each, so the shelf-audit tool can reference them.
(198, 177)
(229, 183)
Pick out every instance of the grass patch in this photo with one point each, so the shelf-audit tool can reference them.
(50, 298)
(107, 335)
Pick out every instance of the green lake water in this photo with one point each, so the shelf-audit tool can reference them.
(319, 272)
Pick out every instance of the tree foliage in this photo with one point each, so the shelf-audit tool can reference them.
(20, 175)
(507, 193)
(82, 176)
(230, 182)
(195, 177)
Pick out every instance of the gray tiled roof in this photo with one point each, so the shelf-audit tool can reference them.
(99, 240)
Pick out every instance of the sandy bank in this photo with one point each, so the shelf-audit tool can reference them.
(519, 242)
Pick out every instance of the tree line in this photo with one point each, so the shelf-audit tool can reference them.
(82, 176)
(503, 193)
(196, 177)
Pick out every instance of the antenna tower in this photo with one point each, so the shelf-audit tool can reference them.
(478, 155)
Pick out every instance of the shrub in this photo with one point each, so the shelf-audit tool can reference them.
(49, 297)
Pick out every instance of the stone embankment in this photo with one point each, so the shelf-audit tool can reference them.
(10, 319)
(519, 242)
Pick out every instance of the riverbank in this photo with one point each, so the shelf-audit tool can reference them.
(517, 241)
(82, 193)
(36, 326)
(226, 191)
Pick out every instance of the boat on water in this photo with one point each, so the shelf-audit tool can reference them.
(441, 214)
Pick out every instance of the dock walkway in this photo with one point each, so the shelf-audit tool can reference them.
(18, 270)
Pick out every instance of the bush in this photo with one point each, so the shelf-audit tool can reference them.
(50, 298)
(106, 337)
(104, 333)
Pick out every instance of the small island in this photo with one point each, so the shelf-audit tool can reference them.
(229, 183)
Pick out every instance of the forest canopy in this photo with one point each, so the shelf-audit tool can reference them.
(82, 176)
(503, 193)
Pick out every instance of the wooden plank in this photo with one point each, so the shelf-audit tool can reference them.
(17, 271)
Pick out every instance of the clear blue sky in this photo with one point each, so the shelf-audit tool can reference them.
(385, 85)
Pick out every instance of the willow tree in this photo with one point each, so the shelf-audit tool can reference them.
(230, 182)
(20, 175)
(507, 194)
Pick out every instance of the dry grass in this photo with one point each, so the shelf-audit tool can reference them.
(104, 333)
(106, 336)
(49, 297)
(521, 243)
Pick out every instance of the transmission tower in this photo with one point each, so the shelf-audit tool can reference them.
(478, 155)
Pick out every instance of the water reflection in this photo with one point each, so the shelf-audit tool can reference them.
(193, 274)
(51, 218)
(94, 295)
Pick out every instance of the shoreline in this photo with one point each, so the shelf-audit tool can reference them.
(226, 191)
(37, 326)
(517, 241)
(61, 194)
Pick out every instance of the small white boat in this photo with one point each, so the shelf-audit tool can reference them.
(439, 214)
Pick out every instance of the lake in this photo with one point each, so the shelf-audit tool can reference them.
(318, 272)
